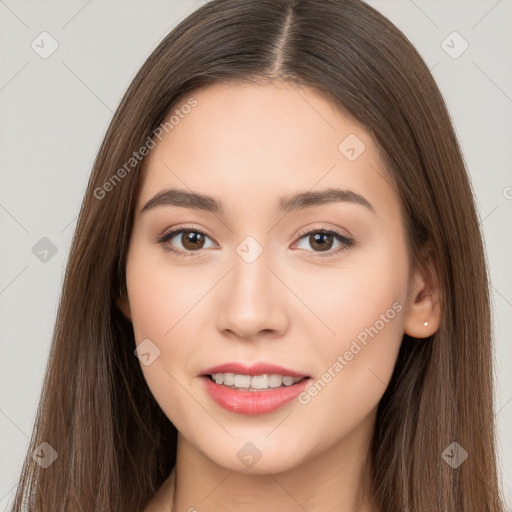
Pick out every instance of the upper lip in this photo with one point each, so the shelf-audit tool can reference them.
(261, 368)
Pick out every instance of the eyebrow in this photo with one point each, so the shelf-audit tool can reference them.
(302, 200)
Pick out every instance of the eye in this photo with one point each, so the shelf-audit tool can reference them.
(191, 240)
(323, 239)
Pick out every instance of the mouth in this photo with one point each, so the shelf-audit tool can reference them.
(251, 390)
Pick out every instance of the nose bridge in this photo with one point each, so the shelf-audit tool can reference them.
(252, 301)
(251, 277)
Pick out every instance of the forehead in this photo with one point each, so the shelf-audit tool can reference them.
(264, 141)
(276, 113)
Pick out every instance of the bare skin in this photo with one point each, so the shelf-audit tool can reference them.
(296, 305)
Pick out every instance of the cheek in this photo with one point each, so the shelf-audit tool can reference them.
(161, 295)
(165, 303)
(355, 295)
(365, 312)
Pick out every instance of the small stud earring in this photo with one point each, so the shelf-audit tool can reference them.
(425, 324)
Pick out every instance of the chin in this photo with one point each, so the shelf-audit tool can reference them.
(257, 459)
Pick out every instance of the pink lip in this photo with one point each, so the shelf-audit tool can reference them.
(252, 402)
(255, 369)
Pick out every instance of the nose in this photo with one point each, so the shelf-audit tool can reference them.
(253, 300)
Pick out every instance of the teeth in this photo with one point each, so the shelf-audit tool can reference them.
(241, 381)
(260, 381)
(275, 381)
(254, 382)
(229, 379)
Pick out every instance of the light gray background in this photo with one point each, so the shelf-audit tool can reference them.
(54, 113)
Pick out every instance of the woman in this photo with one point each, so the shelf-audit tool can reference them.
(276, 296)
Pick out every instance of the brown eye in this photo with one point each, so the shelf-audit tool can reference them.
(191, 240)
(322, 241)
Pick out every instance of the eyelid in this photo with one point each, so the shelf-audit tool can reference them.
(323, 228)
(182, 227)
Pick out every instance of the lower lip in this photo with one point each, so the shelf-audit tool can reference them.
(253, 402)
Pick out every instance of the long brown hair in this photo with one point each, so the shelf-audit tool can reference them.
(115, 446)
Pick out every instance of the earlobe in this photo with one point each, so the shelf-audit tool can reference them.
(417, 329)
(423, 315)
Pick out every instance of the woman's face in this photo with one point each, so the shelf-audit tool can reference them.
(262, 280)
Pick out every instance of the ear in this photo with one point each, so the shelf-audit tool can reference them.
(423, 314)
(123, 305)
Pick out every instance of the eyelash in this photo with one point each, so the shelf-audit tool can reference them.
(345, 240)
